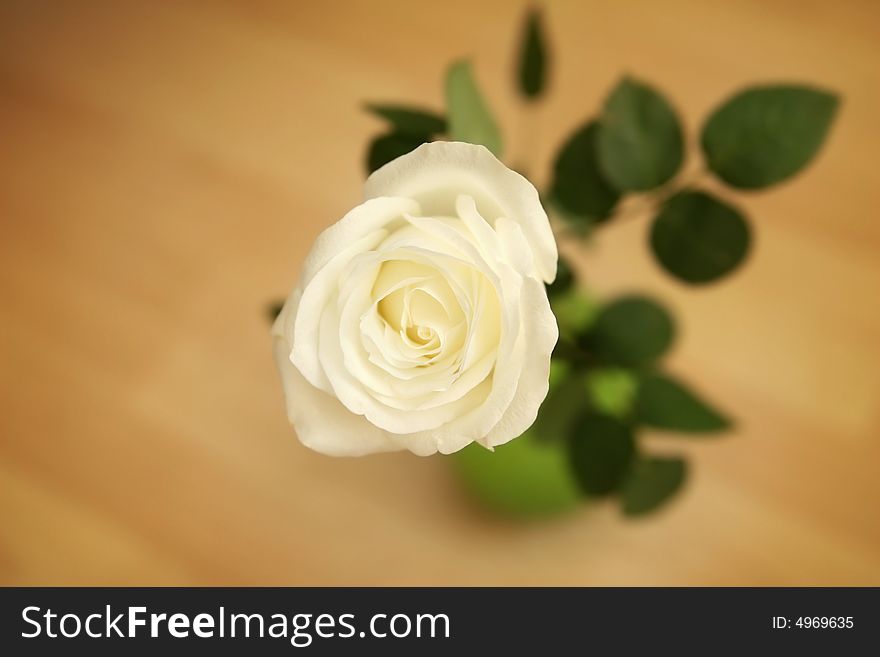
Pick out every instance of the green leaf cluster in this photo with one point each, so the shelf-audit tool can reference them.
(611, 389)
(758, 138)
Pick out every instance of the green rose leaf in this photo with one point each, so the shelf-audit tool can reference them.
(469, 117)
(601, 450)
(651, 482)
(612, 390)
(640, 143)
(385, 148)
(410, 120)
(574, 312)
(579, 186)
(559, 372)
(564, 279)
(524, 478)
(665, 403)
(561, 408)
(630, 331)
(698, 238)
(766, 134)
(533, 57)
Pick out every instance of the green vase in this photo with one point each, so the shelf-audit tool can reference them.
(525, 478)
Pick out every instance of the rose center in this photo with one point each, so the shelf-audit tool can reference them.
(416, 303)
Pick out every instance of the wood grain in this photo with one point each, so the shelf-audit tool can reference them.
(165, 166)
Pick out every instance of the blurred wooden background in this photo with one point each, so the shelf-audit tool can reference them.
(165, 166)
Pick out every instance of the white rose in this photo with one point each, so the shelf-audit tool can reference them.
(421, 320)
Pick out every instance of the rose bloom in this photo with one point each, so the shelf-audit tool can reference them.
(421, 320)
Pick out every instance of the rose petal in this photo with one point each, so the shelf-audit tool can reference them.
(358, 231)
(541, 334)
(321, 422)
(428, 173)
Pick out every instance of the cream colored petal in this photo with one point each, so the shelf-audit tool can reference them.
(316, 295)
(354, 396)
(515, 246)
(320, 421)
(435, 174)
(370, 216)
(541, 334)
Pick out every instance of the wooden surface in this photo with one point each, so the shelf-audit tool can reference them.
(165, 166)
